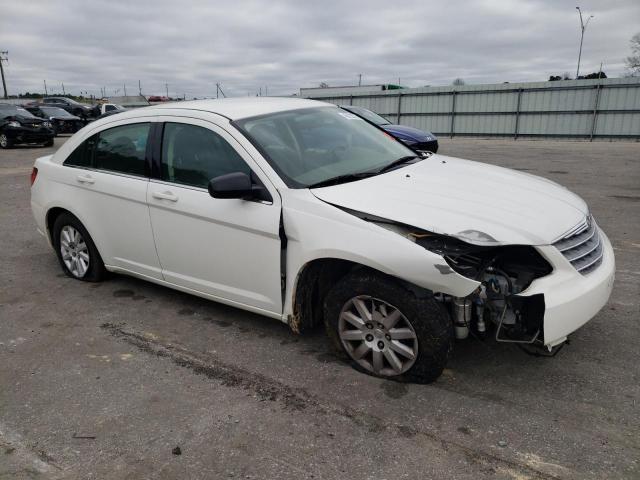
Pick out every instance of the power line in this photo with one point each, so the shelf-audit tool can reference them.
(4, 58)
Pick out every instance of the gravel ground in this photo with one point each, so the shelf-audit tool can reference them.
(105, 380)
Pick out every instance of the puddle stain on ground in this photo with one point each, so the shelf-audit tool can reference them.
(123, 293)
(393, 389)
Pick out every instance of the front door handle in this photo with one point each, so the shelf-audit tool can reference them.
(165, 196)
(85, 179)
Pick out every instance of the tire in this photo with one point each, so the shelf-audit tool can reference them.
(5, 141)
(418, 316)
(49, 143)
(89, 270)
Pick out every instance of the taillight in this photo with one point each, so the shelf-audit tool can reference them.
(34, 174)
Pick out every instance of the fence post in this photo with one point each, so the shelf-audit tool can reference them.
(453, 112)
(515, 133)
(595, 113)
(399, 107)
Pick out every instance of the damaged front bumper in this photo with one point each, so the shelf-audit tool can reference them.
(571, 299)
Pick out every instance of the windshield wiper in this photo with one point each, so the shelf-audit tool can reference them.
(351, 177)
(397, 162)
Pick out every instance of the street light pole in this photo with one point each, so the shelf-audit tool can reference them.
(583, 27)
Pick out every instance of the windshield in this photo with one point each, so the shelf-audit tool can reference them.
(368, 114)
(310, 146)
(55, 112)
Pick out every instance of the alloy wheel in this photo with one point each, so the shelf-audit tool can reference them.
(74, 250)
(377, 336)
(4, 141)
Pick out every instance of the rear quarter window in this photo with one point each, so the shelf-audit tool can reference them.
(82, 155)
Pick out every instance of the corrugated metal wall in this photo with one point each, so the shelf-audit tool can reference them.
(605, 108)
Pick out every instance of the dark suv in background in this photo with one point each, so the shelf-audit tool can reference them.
(416, 140)
(61, 120)
(18, 126)
(74, 108)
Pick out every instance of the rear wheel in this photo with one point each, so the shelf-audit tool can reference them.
(77, 254)
(5, 141)
(49, 143)
(387, 330)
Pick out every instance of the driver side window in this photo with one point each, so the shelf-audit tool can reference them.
(193, 155)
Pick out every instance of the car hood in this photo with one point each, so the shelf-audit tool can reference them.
(475, 202)
(27, 120)
(409, 133)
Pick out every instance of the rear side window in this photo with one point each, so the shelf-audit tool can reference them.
(122, 149)
(81, 156)
(193, 155)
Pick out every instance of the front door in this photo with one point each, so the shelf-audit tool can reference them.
(227, 248)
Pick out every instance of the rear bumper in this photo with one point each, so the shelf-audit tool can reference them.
(572, 299)
(431, 146)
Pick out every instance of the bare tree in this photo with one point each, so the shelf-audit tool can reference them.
(324, 85)
(458, 82)
(633, 60)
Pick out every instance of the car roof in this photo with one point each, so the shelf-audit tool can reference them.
(238, 108)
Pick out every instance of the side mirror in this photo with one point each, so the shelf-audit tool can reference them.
(231, 185)
(238, 185)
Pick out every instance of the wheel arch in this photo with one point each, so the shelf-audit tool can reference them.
(314, 280)
(50, 219)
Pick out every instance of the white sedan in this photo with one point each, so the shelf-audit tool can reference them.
(301, 211)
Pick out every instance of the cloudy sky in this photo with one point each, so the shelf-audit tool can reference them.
(284, 45)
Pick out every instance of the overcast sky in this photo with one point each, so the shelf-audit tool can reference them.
(285, 45)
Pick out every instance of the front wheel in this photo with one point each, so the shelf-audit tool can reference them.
(388, 330)
(49, 143)
(5, 141)
(77, 254)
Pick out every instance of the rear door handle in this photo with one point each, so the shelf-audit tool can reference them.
(165, 196)
(85, 179)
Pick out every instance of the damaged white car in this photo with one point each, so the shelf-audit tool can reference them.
(303, 212)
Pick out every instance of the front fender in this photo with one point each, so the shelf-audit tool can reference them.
(316, 230)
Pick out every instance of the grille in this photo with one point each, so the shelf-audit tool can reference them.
(583, 246)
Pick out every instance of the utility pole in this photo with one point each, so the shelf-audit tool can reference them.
(583, 27)
(359, 79)
(46, 94)
(63, 92)
(4, 58)
(166, 86)
(125, 89)
(139, 88)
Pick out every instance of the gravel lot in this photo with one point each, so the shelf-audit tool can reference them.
(104, 380)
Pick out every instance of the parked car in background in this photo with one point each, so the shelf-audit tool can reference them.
(61, 120)
(415, 139)
(74, 108)
(111, 107)
(19, 126)
(303, 212)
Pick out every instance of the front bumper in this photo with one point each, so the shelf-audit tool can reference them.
(572, 299)
(29, 135)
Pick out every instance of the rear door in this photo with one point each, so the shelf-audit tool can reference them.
(226, 248)
(109, 179)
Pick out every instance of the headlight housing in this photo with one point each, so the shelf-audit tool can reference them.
(14, 124)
